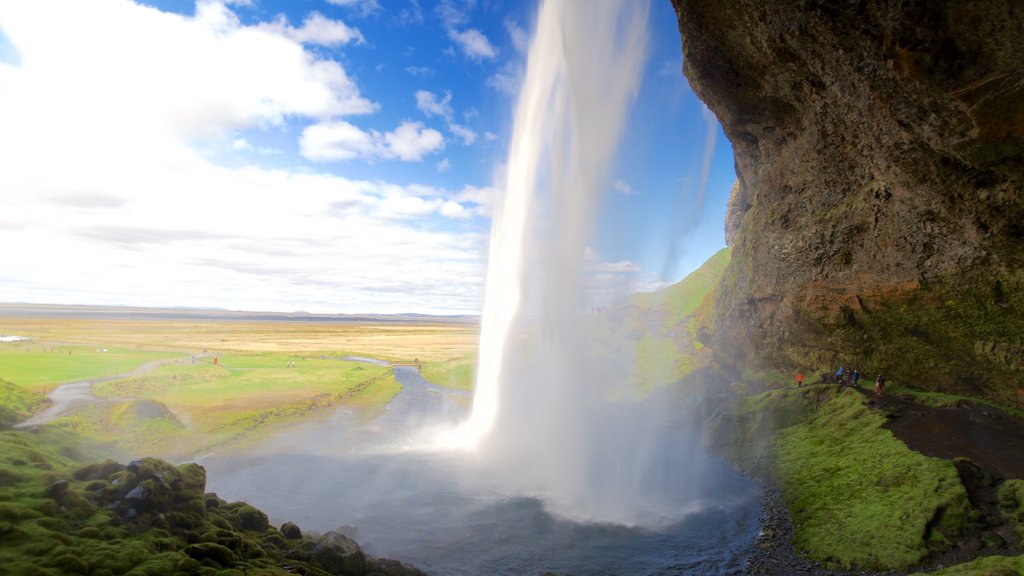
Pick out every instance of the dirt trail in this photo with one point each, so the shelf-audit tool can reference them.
(991, 438)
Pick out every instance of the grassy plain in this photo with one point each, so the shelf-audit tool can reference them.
(266, 375)
(42, 365)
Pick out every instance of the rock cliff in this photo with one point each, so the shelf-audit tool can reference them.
(878, 219)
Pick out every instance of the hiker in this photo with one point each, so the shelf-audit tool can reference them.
(799, 379)
(856, 376)
(839, 375)
(879, 385)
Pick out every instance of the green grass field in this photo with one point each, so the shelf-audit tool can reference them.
(34, 366)
(176, 407)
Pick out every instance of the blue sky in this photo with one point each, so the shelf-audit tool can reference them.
(318, 155)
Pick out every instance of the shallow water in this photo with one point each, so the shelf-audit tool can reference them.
(444, 513)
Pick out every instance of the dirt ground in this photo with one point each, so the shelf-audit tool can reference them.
(991, 438)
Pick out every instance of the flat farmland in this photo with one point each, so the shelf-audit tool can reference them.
(185, 385)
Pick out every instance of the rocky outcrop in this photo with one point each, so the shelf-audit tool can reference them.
(878, 220)
(150, 517)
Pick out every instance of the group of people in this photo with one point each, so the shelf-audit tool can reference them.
(847, 378)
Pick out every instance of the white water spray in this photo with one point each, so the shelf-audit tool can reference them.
(548, 415)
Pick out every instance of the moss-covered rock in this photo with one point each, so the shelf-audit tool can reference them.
(62, 516)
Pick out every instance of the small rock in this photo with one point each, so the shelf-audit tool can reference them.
(385, 567)
(58, 491)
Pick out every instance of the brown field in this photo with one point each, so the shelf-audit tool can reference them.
(428, 342)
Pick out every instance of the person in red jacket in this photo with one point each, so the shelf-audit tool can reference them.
(799, 379)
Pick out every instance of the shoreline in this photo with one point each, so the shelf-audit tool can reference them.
(773, 552)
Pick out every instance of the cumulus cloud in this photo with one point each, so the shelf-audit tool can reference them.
(411, 141)
(444, 165)
(316, 29)
(519, 38)
(339, 140)
(474, 44)
(219, 77)
(129, 115)
(431, 106)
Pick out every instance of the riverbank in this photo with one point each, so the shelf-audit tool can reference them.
(774, 554)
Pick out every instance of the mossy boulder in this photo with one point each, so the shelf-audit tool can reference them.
(339, 554)
(62, 516)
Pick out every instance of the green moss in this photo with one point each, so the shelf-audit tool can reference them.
(858, 496)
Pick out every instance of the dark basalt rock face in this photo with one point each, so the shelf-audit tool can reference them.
(878, 221)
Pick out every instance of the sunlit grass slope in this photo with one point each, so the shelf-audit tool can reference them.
(667, 324)
(858, 496)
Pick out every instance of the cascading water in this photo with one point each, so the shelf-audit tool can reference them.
(568, 120)
(545, 411)
(562, 467)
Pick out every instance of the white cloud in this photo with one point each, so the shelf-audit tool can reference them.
(485, 198)
(420, 71)
(444, 165)
(431, 106)
(360, 7)
(411, 141)
(186, 77)
(410, 15)
(507, 79)
(520, 39)
(490, 136)
(316, 29)
(451, 15)
(137, 214)
(339, 140)
(474, 44)
(468, 136)
(623, 188)
(241, 144)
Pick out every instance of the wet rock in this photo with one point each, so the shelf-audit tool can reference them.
(291, 531)
(339, 554)
(385, 567)
(880, 162)
(58, 491)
